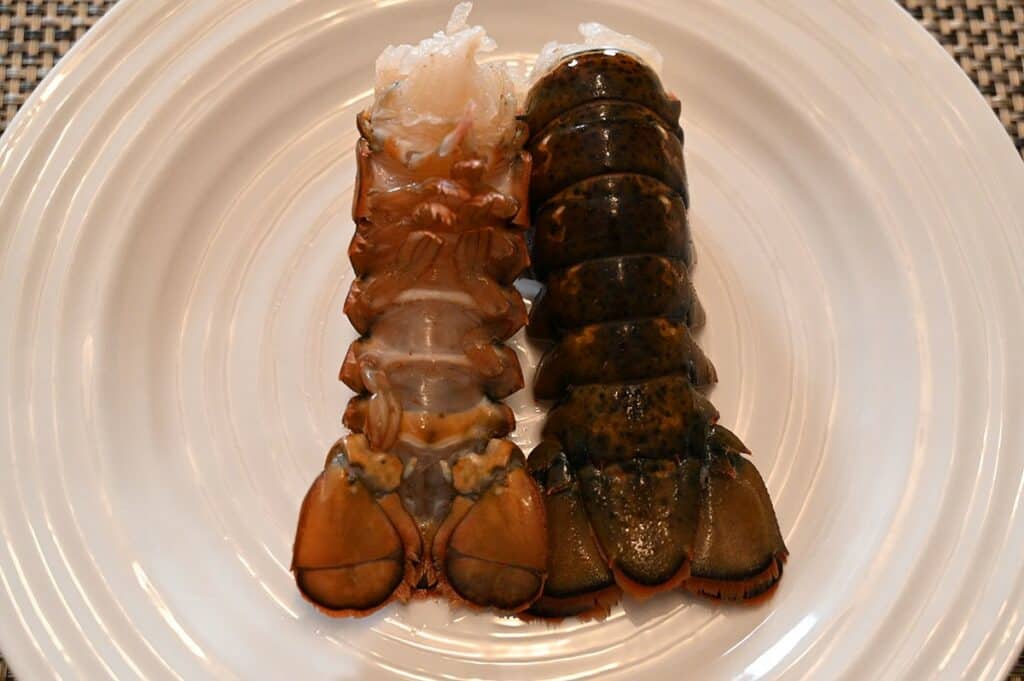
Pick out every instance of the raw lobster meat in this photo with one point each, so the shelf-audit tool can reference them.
(644, 490)
(424, 497)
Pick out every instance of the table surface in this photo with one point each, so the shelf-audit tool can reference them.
(985, 37)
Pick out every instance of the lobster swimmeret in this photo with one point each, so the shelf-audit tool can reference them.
(424, 497)
(644, 491)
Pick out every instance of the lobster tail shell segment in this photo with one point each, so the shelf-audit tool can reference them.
(411, 503)
(589, 74)
(644, 491)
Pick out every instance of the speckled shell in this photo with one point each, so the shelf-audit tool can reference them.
(604, 136)
(615, 214)
(609, 289)
(598, 74)
(643, 488)
(617, 351)
(659, 418)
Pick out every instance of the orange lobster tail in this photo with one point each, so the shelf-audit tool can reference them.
(410, 503)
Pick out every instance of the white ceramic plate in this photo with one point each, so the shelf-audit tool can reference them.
(173, 224)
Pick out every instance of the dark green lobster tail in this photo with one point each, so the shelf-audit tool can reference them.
(644, 490)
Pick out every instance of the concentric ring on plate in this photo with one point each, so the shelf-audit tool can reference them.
(173, 237)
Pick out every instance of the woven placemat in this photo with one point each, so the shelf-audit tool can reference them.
(986, 37)
(33, 36)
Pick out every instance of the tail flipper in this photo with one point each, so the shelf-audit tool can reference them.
(644, 525)
(491, 550)
(580, 583)
(356, 548)
(739, 552)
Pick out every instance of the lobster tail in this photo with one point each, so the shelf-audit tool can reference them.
(644, 491)
(410, 503)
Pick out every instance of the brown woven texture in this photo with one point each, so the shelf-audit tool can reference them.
(33, 36)
(986, 37)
